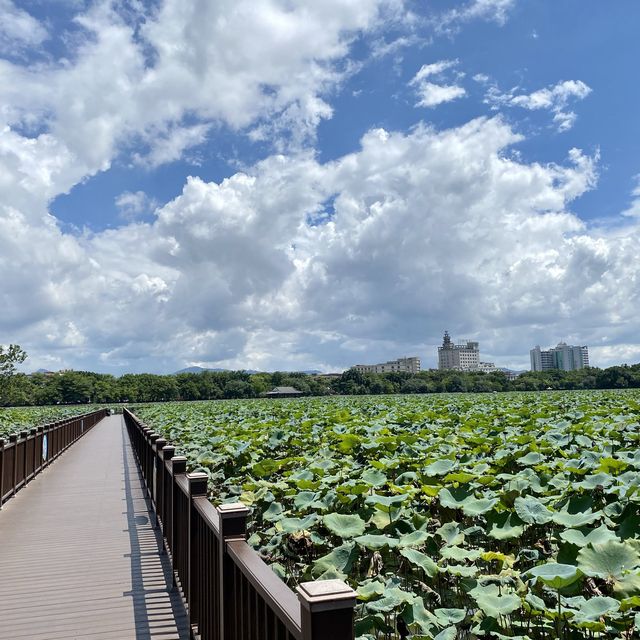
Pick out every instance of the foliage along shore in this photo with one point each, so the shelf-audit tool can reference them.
(72, 387)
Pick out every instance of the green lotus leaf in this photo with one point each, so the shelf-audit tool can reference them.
(447, 617)
(595, 608)
(406, 478)
(461, 570)
(596, 536)
(450, 533)
(610, 560)
(370, 590)
(535, 603)
(555, 575)
(530, 459)
(479, 506)
(374, 478)
(274, 512)
(599, 479)
(344, 525)
(450, 633)
(505, 526)
(340, 559)
(439, 468)
(532, 511)
(304, 499)
(414, 539)
(458, 554)
(628, 585)
(494, 603)
(376, 541)
(385, 503)
(464, 499)
(454, 498)
(420, 560)
(291, 525)
(630, 603)
(418, 614)
(392, 597)
(574, 520)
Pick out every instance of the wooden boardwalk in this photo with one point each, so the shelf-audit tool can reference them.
(79, 558)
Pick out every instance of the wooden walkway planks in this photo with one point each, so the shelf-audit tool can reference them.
(79, 558)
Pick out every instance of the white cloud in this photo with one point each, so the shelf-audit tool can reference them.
(634, 210)
(554, 98)
(18, 29)
(493, 10)
(134, 204)
(411, 232)
(242, 64)
(431, 94)
(429, 228)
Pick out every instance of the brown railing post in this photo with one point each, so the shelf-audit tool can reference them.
(1, 471)
(13, 438)
(165, 455)
(39, 458)
(197, 488)
(178, 467)
(152, 465)
(158, 479)
(327, 610)
(232, 519)
(34, 435)
(25, 449)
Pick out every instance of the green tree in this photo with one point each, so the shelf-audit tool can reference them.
(9, 357)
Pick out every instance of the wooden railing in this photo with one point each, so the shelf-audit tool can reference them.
(229, 591)
(27, 453)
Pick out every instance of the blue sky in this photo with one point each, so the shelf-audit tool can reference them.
(291, 185)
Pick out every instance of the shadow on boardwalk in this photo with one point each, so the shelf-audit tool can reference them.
(157, 607)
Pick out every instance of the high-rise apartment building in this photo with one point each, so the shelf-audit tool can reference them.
(408, 365)
(460, 357)
(565, 357)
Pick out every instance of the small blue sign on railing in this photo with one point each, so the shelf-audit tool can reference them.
(45, 447)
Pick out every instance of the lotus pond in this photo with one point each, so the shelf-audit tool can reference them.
(453, 516)
(15, 419)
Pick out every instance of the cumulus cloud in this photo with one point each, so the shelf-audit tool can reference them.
(428, 228)
(431, 94)
(554, 98)
(493, 10)
(634, 210)
(292, 261)
(18, 29)
(165, 77)
(132, 205)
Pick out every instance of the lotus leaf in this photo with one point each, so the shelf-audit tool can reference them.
(414, 539)
(420, 560)
(344, 525)
(376, 541)
(340, 559)
(439, 468)
(532, 511)
(556, 576)
(596, 536)
(610, 560)
(494, 603)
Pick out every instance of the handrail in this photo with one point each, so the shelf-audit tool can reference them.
(273, 590)
(230, 592)
(26, 454)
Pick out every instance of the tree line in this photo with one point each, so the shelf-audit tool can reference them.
(69, 387)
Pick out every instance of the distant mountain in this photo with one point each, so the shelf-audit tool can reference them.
(311, 372)
(197, 370)
(202, 369)
(42, 371)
